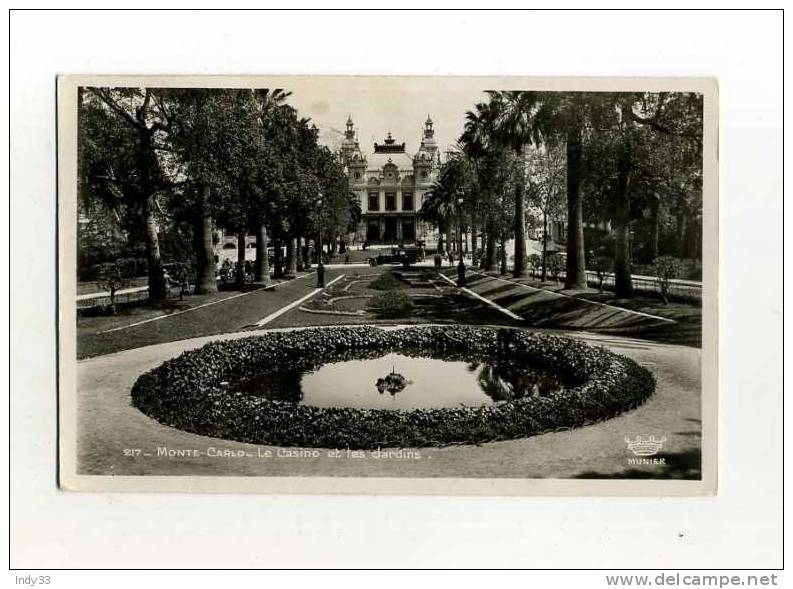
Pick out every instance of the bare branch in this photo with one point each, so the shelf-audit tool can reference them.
(105, 97)
(651, 122)
(141, 111)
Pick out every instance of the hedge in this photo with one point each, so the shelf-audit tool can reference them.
(191, 392)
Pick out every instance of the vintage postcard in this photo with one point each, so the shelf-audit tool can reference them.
(397, 285)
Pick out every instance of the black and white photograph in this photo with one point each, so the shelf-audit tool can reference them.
(307, 296)
(441, 281)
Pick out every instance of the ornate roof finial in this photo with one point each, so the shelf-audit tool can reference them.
(428, 132)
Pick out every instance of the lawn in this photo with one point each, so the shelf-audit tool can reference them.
(358, 298)
(548, 305)
(197, 315)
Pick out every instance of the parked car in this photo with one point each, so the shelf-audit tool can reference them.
(404, 255)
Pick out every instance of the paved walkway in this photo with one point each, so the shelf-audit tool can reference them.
(108, 425)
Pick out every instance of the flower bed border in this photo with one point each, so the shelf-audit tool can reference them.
(188, 392)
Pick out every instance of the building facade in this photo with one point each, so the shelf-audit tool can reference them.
(391, 185)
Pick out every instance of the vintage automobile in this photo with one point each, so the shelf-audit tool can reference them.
(397, 255)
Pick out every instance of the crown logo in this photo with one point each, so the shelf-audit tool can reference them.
(645, 445)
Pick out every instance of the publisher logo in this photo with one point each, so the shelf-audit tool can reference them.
(644, 450)
(645, 445)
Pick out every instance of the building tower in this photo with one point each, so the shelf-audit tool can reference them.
(348, 145)
(428, 144)
(351, 154)
(426, 158)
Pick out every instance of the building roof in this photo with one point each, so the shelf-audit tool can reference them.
(376, 161)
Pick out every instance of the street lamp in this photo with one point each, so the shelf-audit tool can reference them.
(461, 264)
(320, 266)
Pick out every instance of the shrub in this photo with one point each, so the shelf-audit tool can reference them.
(392, 304)
(554, 264)
(666, 268)
(388, 281)
(535, 262)
(602, 265)
(189, 392)
(112, 277)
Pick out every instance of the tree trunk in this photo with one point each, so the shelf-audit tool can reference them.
(483, 248)
(157, 286)
(240, 274)
(622, 220)
(519, 268)
(307, 254)
(205, 282)
(576, 264)
(544, 275)
(474, 245)
(656, 227)
(490, 247)
(278, 258)
(291, 257)
(262, 268)
(449, 238)
(503, 253)
(299, 253)
(439, 247)
(459, 237)
(681, 236)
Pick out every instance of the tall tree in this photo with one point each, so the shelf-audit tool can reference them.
(547, 177)
(515, 128)
(552, 118)
(646, 147)
(210, 136)
(477, 143)
(273, 113)
(442, 202)
(123, 131)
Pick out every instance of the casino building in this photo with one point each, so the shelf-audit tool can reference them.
(391, 185)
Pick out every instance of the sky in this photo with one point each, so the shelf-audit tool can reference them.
(379, 105)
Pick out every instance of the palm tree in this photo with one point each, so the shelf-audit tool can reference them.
(477, 144)
(269, 104)
(549, 117)
(439, 208)
(515, 128)
(441, 201)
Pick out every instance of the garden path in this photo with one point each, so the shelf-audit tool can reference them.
(108, 424)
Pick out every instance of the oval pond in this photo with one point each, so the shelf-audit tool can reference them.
(399, 382)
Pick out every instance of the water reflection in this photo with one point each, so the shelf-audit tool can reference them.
(393, 383)
(505, 381)
(411, 382)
